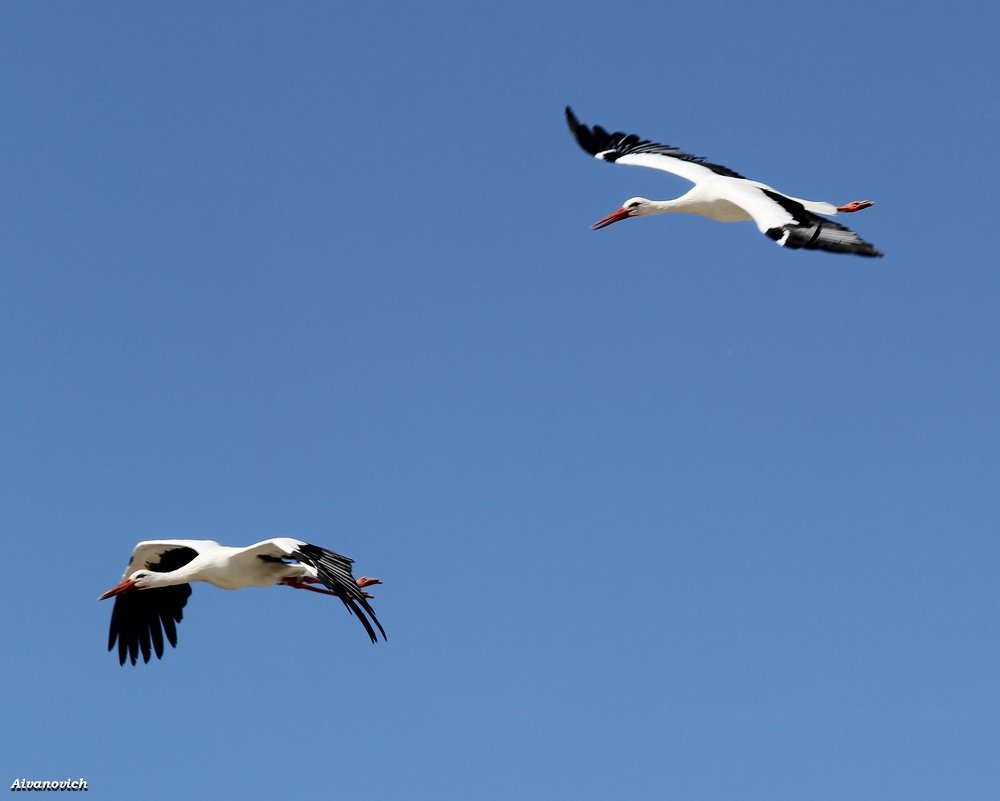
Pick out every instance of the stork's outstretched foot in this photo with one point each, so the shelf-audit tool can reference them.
(856, 205)
(303, 582)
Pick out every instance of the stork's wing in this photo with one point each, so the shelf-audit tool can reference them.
(332, 569)
(790, 224)
(630, 149)
(140, 620)
(148, 552)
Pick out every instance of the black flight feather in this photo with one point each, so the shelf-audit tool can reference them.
(813, 232)
(138, 615)
(615, 145)
(334, 571)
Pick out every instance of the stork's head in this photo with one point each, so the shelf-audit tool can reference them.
(633, 207)
(139, 580)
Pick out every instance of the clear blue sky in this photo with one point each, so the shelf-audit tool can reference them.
(662, 511)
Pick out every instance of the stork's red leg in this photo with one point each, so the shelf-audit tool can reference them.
(298, 586)
(303, 582)
(855, 205)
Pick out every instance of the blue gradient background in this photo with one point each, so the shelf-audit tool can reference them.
(662, 511)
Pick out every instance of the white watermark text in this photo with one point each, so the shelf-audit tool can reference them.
(48, 784)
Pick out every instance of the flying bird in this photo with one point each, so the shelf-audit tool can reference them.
(157, 582)
(721, 194)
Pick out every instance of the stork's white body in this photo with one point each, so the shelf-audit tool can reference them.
(225, 566)
(722, 195)
(703, 200)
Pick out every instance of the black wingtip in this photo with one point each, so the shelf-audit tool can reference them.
(334, 572)
(824, 235)
(573, 123)
(585, 137)
(813, 232)
(141, 620)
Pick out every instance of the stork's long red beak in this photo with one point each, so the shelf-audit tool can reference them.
(613, 217)
(118, 589)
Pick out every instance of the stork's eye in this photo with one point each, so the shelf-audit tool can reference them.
(633, 204)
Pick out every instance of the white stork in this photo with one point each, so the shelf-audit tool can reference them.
(156, 585)
(721, 194)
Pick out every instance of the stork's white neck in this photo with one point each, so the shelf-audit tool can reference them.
(679, 204)
(151, 580)
(695, 202)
